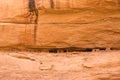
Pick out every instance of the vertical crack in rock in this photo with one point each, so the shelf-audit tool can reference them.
(118, 3)
(33, 11)
(52, 5)
(35, 27)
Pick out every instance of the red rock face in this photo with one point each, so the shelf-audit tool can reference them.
(12, 8)
(110, 4)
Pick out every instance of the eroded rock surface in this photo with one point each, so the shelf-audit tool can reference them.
(84, 66)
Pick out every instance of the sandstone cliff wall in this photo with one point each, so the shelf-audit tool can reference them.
(12, 8)
(83, 27)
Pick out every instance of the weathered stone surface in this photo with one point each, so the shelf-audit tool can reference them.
(15, 34)
(11, 8)
(88, 66)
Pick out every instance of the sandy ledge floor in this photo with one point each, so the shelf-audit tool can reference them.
(61, 66)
